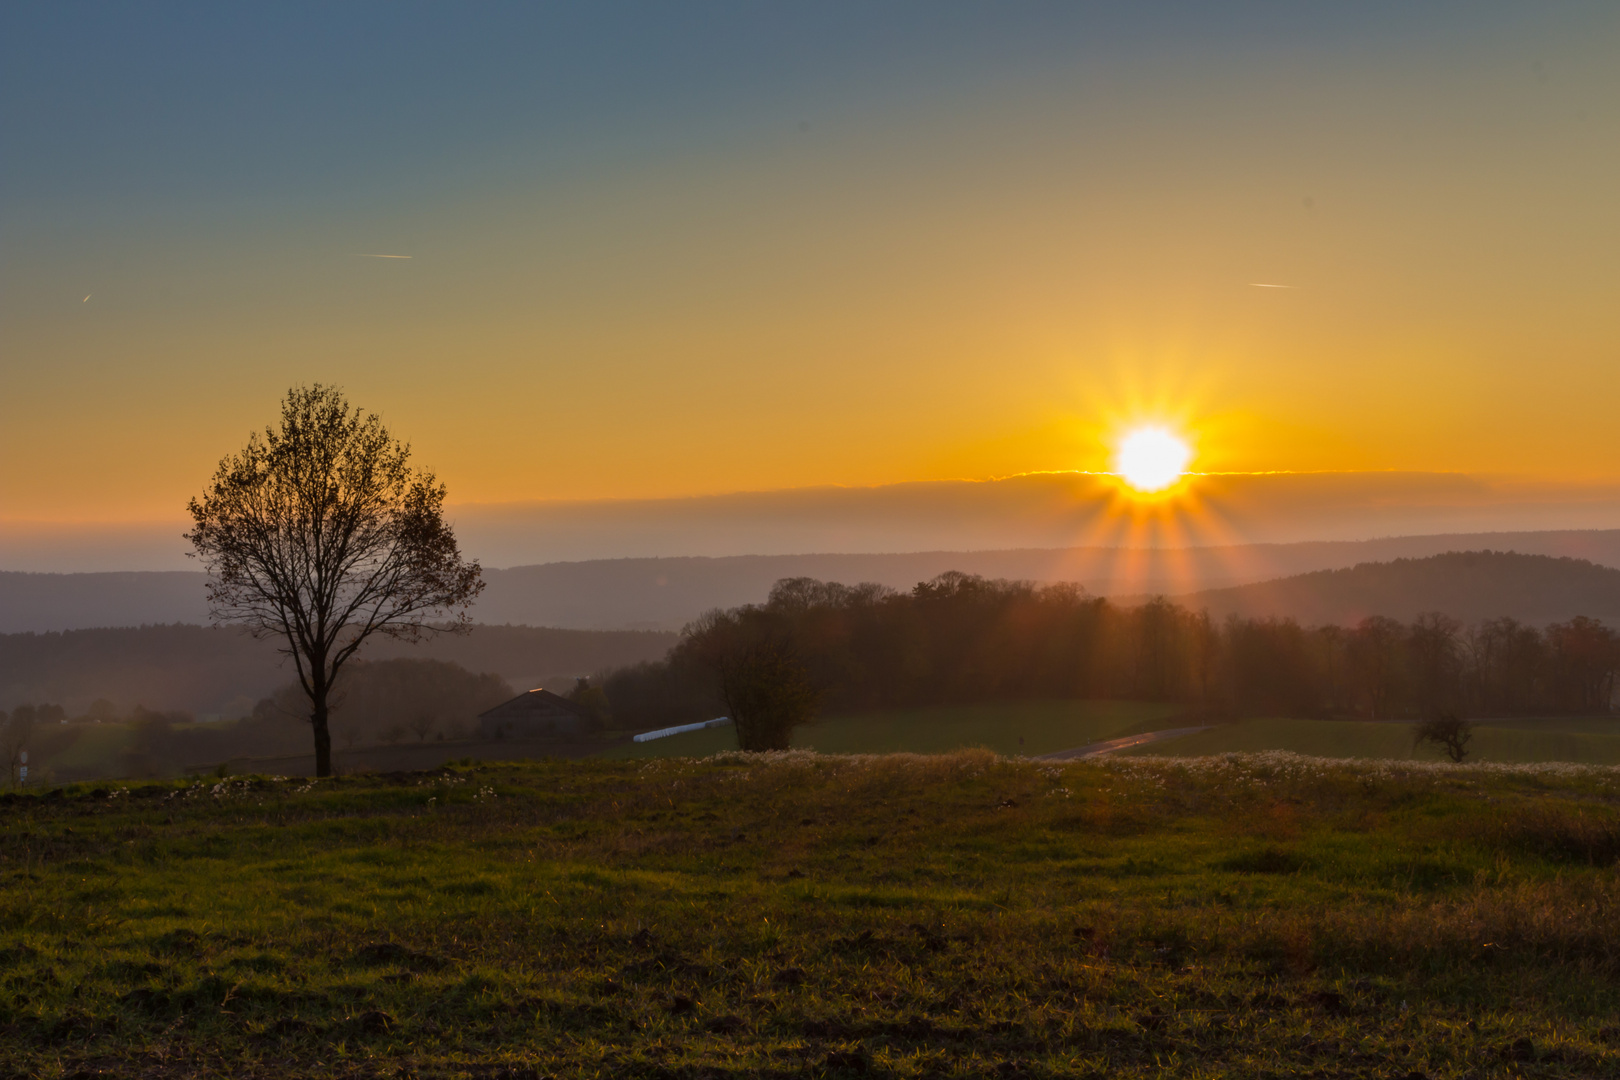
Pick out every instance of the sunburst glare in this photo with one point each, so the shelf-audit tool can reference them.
(1151, 458)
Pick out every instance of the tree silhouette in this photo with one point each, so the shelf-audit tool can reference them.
(1587, 654)
(1432, 645)
(1448, 731)
(959, 639)
(321, 534)
(1375, 651)
(768, 693)
(422, 725)
(758, 673)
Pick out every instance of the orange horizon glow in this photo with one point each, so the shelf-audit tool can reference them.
(980, 277)
(1143, 504)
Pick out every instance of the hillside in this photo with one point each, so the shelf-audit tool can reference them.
(203, 670)
(665, 593)
(44, 602)
(1468, 585)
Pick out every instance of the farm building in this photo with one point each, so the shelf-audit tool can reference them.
(534, 715)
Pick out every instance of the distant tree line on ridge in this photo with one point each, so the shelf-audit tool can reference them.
(380, 702)
(956, 638)
(963, 638)
(220, 673)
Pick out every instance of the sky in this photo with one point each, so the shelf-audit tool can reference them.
(669, 250)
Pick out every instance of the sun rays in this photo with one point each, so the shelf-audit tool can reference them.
(1152, 458)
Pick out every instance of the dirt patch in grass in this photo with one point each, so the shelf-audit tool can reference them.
(1266, 860)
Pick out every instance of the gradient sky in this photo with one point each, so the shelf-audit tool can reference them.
(672, 249)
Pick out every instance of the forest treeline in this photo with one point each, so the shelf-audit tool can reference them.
(962, 638)
(954, 638)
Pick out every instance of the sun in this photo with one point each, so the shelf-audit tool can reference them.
(1151, 458)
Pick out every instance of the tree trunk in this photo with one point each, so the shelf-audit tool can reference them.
(323, 736)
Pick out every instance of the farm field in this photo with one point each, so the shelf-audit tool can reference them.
(1585, 740)
(1043, 726)
(98, 749)
(1010, 728)
(952, 915)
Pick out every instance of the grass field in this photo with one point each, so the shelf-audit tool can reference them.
(1589, 741)
(1011, 728)
(947, 916)
(99, 748)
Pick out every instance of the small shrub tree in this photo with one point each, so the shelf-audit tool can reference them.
(766, 688)
(768, 693)
(594, 700)
(1448, 731)
(150, 750)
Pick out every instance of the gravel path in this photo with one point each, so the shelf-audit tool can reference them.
(1108, 746)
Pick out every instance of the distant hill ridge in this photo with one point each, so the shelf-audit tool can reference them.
(666, 593)
(205, 670)
(1468, 585)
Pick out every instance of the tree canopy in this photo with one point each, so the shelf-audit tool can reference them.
(960, 638)
(320, 533)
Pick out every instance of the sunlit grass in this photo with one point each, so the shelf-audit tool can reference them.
(909, 915)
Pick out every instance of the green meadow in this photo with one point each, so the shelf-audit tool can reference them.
(99, 748)
(799, 914)
(1034, 728)
(1029, 728)
(1587, 740)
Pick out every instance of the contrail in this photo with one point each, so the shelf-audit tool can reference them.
(1263, 285)
(369, 255)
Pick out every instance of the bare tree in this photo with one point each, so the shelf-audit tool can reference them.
(321, 534)
(1446, 730)
(1375, 652)
(1586, 660)
(1432, 646)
